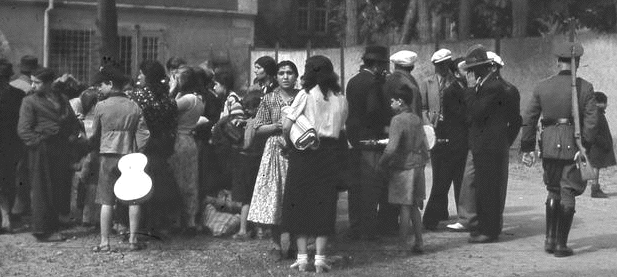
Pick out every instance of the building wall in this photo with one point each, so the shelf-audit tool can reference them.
(195, 36)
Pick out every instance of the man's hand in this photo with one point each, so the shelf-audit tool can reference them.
(528, 159)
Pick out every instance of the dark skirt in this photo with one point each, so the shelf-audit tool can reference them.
(309, 202)
(50, 172)
(244, 176)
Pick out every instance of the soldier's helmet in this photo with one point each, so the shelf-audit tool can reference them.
(568, 49)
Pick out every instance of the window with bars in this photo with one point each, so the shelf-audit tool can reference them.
(126, 54)
(149, 48)
(70, 52)
(312, 16)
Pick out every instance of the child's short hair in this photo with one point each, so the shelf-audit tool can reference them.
(252, 99)
(600, 97)
(404, 93)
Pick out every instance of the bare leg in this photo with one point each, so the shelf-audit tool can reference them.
(320, 254)
(134, 218)
(244, 215)
(404, 225)
(106, 217)
(5, 210)
(416, 221)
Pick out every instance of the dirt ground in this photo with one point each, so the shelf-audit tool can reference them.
(518, 252)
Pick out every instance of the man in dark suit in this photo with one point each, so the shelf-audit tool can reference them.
(11, 147)
(552, 98)
(492, 127)
(367, 120)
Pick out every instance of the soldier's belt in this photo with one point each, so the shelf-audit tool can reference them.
(550, 122)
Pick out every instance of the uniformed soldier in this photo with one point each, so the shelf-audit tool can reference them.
(552, 98)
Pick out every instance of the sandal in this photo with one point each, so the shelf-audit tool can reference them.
(238, 236)
(136, 246)
(101, 248)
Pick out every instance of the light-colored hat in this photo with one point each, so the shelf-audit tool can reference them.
(404, 58)
(441, 55)
(495, 58)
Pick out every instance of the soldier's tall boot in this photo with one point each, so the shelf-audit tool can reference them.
(563, 230)
(596, 191)
(552, 213)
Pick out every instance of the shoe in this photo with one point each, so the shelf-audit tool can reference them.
(300, 265)
(239, 236)
(322, 266)
(101, 248)
(563, 230)
(482, 239)
(457, 227)
(552, 212)
(417, 249)
(46, 237)
(136, 246)
(596, 192)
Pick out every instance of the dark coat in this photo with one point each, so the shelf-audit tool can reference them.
(397, 80)
(11, 146)
(368, 111)
(454, 127)
(493, 112)
(552, 98)
(601, 153)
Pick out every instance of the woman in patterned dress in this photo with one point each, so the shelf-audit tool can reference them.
(266, 204)
(160, 113)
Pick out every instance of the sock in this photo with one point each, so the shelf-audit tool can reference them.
(302, 258)
(321, 258)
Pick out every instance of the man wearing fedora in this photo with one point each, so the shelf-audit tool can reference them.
(491, 117)
(27, 65)
(552, 98)
(442, 159)
(368, 117)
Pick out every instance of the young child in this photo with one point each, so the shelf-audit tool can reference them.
(246, 150)
(403, 160)
(601, 154)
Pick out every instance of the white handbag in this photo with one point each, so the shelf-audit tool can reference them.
(303, 135)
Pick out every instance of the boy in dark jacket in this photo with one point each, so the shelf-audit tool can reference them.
(601, 154)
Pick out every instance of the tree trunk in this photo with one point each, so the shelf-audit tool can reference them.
(520, 11)
(108, 31)
(464, 19)
(436, 26)
(424, 21)
(351, 24)
(410, 16)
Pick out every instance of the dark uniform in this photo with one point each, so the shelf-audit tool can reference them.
(552, 98)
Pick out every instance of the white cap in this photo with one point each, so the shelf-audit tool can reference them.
(404, 58)
(441, 55)
(495, 58)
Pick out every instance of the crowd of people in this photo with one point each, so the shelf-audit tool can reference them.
(199, 136)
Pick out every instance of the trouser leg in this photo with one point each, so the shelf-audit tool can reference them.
(437, 205)
(467, 198)
(489, 182)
